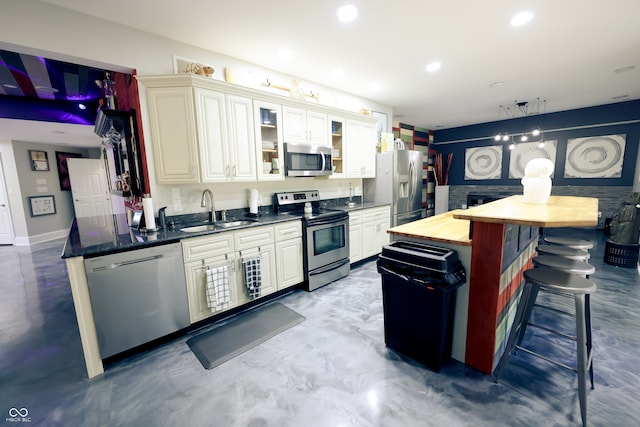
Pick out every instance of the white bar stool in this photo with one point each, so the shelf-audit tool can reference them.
(559, 282)
(567, 265)
(585, 245)
(563, 251)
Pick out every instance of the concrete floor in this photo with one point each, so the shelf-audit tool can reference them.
(333, 369)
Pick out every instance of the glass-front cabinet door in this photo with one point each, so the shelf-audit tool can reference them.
(337, 146)
(269, 141)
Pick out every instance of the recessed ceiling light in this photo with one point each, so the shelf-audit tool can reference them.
(337, 73)
(521, 18)
(434, 66)
(624, 69)
(374, 87)
(496, 84)
(285, 54)
(347, 13)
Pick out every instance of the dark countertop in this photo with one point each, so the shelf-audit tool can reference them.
(109, 234)
(359, 206)
(104, 235)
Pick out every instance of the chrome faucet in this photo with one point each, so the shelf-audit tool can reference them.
(203, 203)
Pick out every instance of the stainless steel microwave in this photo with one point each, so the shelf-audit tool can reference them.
(307, 160)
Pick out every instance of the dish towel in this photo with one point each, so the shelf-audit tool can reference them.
(218, 287)
(252, 276)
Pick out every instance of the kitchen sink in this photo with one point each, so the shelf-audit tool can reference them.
(199, 228)
(216, 226)
(229, 224)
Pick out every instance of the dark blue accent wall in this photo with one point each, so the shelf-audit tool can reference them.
(584, 122)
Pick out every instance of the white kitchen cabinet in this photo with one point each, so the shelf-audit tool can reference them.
(229, 248)
(290, 269)
(355, 236)
(249, 243)
(200, 135)
(368, 232)
(226, 137)
(375, 223)
(204, 252)
(337, 146)
(212, 135)
(269, 140)
(173, 135)
(205, 130)
(241, 138)
(360, 149)
(305, 126)
(267, 271)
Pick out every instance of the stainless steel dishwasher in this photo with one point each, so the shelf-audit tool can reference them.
(137, 296)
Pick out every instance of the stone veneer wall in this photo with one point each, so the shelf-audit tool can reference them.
(609, 198)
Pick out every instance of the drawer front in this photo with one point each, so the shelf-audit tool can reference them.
(254, 236)
(376, 214)
(355, 217)
(288, 230)
(197, 248)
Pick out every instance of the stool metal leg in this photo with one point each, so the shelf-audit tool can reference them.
(518, 322)
(528, 309)
(582, 359)
(587, 312)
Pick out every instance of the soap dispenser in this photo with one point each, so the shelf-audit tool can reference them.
(162, 219)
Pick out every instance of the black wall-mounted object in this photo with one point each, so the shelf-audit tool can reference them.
(118, 129)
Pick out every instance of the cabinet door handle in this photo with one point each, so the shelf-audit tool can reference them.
(234, 170)
(228, 168)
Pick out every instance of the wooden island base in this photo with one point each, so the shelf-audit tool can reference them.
(496, 243)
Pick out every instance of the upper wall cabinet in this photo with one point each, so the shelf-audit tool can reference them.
(204, 130)
(174, 135)
(305, 126)
(360, 149)
(269, 140)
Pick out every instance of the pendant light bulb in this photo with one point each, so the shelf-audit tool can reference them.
(512, 146)
(498, 137)
(535, 132)
(523, 138)
(505, 137)
(541, 144)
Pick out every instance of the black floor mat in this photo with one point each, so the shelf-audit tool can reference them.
(242, 333)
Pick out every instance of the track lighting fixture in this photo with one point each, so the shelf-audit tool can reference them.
(520, 109)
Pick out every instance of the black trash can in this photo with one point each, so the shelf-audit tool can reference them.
(419, 284)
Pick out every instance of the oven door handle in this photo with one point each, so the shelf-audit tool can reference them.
(329, 267)
(325, 221)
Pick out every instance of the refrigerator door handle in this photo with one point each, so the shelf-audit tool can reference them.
(412, 181)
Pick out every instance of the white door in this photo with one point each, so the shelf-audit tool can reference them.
(89, 187)
(6, 227)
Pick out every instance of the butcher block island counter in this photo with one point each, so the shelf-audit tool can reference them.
(496, 243)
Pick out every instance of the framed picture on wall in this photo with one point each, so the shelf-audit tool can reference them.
(42, 205)
(483, 162)
(595, 157)
(39, 160)
(63, 170)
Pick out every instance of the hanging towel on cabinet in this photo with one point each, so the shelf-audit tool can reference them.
(218, 287)
(252, 276)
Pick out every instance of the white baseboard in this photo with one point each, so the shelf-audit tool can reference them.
(40, 238)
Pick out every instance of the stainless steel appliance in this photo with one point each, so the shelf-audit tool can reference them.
(137, 296)
(307, 160)
(398, 182)
(325, 237)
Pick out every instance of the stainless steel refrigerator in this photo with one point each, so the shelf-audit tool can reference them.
(398, 182)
